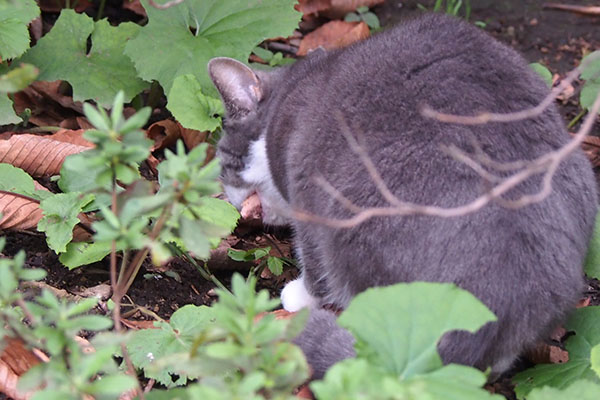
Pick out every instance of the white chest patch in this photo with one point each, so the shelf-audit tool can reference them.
(258, 175)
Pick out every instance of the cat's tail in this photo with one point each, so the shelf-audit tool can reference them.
(324, 342)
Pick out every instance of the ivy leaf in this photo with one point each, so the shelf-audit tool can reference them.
(98, 74)
(15, 16)
(191, 107)
(60, 217)
(414, 319)
(275, 265)
(592, 259)
(587, 335)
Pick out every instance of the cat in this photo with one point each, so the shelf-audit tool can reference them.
(284, 127)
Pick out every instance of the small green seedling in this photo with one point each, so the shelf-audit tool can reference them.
(363, 14)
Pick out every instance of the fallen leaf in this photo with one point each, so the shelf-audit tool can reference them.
(71, 136)
(36, 155)
(18, 213)
(15, 360)
(309, 7)
(137, 325)
(251, 208)
(545, 353)
(333, 35)
(135, 6)
(164, 133)
(193, 138)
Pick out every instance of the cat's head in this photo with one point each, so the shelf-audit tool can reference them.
(241, 150)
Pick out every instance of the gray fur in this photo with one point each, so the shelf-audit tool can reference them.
(524, 264)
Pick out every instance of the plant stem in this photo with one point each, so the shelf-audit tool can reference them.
(100, 10)
(575, 120)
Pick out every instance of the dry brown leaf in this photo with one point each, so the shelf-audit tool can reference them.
(164, 133)
(591, 147)
(15, 360)
(137, 325)
(18, 213)
(305, 393)
(308, 7)
(545, 353)
(36, 155)
(251, 208)
(135, 6)
(192, 137)
(71, 136)
(333, 35)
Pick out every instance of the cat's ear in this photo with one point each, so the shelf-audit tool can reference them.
(238, 85)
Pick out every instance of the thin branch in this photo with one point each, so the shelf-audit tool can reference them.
(486, 117)
(166, 5)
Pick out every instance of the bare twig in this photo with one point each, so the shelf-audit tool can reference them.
(586, 10)
(166, 5)
(485, 117)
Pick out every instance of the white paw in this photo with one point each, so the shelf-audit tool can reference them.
(294, 296)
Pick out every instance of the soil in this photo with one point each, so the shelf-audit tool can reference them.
(557, 39)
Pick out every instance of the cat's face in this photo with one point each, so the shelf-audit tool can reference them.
(242, 152)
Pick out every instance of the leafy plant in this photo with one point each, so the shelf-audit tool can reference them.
(451, 7)
(52, 324)
(275, 264)
(273, 59)
(231, 348)
(363, 14)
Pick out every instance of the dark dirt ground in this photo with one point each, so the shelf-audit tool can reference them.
(557, 39)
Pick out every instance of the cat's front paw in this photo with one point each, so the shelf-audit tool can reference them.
(294, 296)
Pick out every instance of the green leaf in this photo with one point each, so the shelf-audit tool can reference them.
(148, 345)
(579, 390)
(112, 385)
(595, 359)
(7, 112)
(191, 107)
(587, 335)
(15, 180)
(82, 253)
(14, 18)
(60, 217)
(592, 259)
(371, 20)
(352, 17)
(97, 75)
(588, 95)
(275, 265)
(422, 313)
(18, 79)
(248, 255)
(543, 72)
(201, 30)
(592, 70)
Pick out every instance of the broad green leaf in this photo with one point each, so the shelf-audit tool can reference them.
(588, 95)
(14, 179)
(592, 70)
(18, 79)
(275, 265)
(15, 15)
(422, 313)
(543, 72)
(579, 390)
(148, 345)
(592, 259)
(584, 322)
(186, 36)
(595, 359)
(60, 217)
(7, 112)
(98, 74)
(82, 253)
(192, 108)
(218, 212)
(112, 385)
(248, 255)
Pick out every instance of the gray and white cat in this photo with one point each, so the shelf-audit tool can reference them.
(281, 132)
